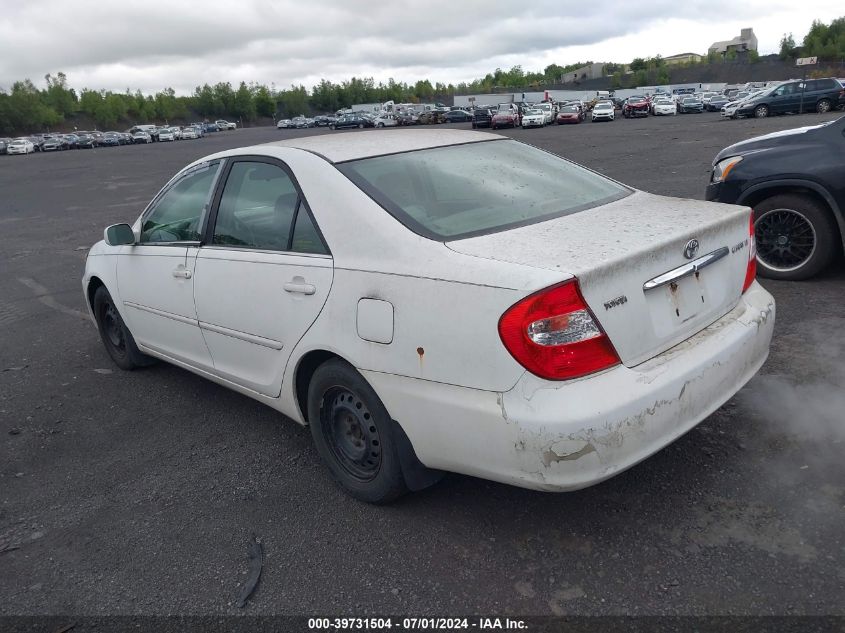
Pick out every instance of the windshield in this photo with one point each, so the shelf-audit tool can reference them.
(575, 108)
(532, 112)
(433, 194)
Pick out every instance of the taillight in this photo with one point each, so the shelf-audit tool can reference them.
(751, 271)
(553, 334)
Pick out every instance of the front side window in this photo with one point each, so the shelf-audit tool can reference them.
(464, 190)
(177, 214)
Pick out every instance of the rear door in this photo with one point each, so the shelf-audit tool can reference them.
(262, 276)
(155, 276)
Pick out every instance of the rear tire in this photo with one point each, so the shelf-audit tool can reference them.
(116, 337)
(797, 237)
(352, 432)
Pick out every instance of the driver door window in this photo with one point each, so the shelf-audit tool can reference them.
(178, 214)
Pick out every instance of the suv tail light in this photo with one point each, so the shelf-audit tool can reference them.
(751, 271)
(553, 334)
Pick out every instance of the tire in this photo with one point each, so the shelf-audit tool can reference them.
(116, 337)
(352, 432)
(331, 127)
(379, 125)
(761, 111)
(360, 126)
(824, 106)
(794, 220)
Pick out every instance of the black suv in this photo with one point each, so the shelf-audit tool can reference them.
(482, 117)
(794, 182)
(803, 95)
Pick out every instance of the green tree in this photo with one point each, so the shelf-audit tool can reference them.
(243, 105)
(552, 73)
(58, 96)
(639, 63)
(788, 50)
(265, 104)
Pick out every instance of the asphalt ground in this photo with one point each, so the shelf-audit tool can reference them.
(137, 493)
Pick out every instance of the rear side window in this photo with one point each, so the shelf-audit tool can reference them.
(257, 208)
(261, 209)
(466, 190)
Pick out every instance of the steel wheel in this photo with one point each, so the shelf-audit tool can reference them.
(786, 239)
(113, 328)
(351, 433)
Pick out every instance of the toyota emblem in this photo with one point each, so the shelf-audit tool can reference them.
(691, 249)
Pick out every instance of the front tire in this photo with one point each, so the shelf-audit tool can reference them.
(360, 126)
(796, 236)
(352, 431)
(116, 337)
(761, 111)
(823, 106)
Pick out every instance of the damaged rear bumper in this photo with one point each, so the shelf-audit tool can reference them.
(561, 436)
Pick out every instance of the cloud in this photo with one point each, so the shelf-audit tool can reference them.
(155, 44)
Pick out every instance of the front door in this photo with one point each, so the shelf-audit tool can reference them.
(262, 277)
(155, 277)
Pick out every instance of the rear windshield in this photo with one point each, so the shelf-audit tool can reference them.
(461, 191)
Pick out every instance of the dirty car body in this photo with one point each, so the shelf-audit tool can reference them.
(543, 335)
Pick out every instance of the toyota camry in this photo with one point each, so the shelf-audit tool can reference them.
(539, 324)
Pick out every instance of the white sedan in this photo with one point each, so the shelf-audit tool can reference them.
(533, 118)
(166, 134)
(527, 321)
(20, 146)
(665, 107)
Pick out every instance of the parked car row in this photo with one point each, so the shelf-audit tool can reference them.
(139, 134)
(800, 95)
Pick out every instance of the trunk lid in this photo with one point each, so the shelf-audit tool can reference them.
(623, 254)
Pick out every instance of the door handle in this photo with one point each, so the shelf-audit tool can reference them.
(298, 285)
(182, 273)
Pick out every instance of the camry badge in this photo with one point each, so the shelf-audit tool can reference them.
(691, 249)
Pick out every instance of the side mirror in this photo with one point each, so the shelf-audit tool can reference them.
(119, 235)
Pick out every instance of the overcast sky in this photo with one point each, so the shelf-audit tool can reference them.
(155, 44)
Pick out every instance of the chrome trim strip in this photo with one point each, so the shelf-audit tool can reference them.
(243, 336)
(161, 313)
(687, 269)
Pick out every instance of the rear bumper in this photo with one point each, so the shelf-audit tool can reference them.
(569, 435)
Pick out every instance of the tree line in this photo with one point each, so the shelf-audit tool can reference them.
(25, 108)
(826, 41)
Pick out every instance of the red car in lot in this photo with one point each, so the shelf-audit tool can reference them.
(635, 107)
(570, 114)
(507, 115)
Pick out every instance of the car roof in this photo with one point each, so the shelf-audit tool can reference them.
(340, 147)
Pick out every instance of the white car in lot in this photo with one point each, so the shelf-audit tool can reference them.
(543, 326)
(548, 111)
(222, 124)
(533, 118)
(385, 119)
(166, 134)
(603, 111)
(20, 146)
(190, 132)
(664, 107)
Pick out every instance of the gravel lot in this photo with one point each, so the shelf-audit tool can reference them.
(137, 493)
